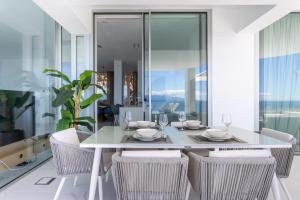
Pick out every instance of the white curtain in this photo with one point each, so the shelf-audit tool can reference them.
(279, 75)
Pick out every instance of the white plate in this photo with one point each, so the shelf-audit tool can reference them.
(138, 137)
(226, 137)
(194, 128)
(216, 133)
(146, 132)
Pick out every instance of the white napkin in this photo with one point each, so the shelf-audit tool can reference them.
(135, 124)
(153, 154)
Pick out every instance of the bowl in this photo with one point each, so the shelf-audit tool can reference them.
(193, 123)
(147, 132)
(216, 133)
(143, 124)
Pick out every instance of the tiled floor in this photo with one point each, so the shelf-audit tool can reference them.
(24, 188)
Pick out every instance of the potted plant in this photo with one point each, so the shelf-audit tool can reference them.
(70, 97)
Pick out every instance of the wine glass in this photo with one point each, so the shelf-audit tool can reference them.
(226, 120)
(127, 119)
(163, 121)
(181, 118)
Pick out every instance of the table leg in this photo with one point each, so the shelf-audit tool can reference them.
(275, 188)
(95, 172)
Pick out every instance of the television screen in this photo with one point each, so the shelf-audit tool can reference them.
(17, 116)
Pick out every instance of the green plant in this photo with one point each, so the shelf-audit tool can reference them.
(70, 98)
(13, 107)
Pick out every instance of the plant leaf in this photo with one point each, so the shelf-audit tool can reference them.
(86, 74)
(87, 118)
(63, 124)
(85, 124)
(65, 114)
(62, 97)
(85, 103)
(99, 87)
(56, 73)
(49, 115)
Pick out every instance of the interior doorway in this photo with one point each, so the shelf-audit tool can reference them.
(119, 62)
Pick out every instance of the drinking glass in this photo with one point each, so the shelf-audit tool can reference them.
(226, 119)
(127, 119)
(181, 118)
(163, 121)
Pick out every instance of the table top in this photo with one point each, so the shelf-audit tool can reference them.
(111, 137)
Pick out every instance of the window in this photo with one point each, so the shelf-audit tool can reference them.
(176, 76)
(279, 69)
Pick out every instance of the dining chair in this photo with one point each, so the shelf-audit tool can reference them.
(222, 177)
(71, 160)
(284, 156)
(145, 175)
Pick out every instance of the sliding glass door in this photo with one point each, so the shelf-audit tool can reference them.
(176, 64)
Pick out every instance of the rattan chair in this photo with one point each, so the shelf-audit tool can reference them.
(284, 156)
(150, 178)
(71, 160)
(231, 178)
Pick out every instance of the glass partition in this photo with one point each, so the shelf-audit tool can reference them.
(27, 46)
(176, 64)
(279, 69)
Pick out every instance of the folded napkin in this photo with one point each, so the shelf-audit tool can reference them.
(153, 154)
(135, 124)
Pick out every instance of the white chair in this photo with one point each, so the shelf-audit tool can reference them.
(71, 160)
(284, 156)
(150, 175)
(228, 175)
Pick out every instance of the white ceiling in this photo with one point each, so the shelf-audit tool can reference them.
(77, 15)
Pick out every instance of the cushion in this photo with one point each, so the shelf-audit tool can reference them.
(68, 136)
(277, 134)
(153, 154)
(240, 153)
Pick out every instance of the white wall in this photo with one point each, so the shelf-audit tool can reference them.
(233, 71)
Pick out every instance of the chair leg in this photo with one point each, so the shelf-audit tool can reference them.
(285, 189)
(59, 188)
(188, 190)
(100, 188)
(75, 181)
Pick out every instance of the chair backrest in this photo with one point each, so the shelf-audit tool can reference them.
(68, 136)
(230, 178)
(68, 157)
(284, 156)
(240, 154)
(152, 154)
(150, 178)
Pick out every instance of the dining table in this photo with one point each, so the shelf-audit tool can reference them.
(117, 137)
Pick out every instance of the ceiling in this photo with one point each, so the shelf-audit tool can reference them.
(119, 39)
(77, 15)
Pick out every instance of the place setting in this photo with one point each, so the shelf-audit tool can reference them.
(146, 135)
(184, 124)
(218, 133)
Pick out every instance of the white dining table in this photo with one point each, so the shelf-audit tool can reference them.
(113, 137)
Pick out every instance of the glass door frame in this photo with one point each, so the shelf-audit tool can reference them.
(119, 15)
(208, 58)
(143, 13)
